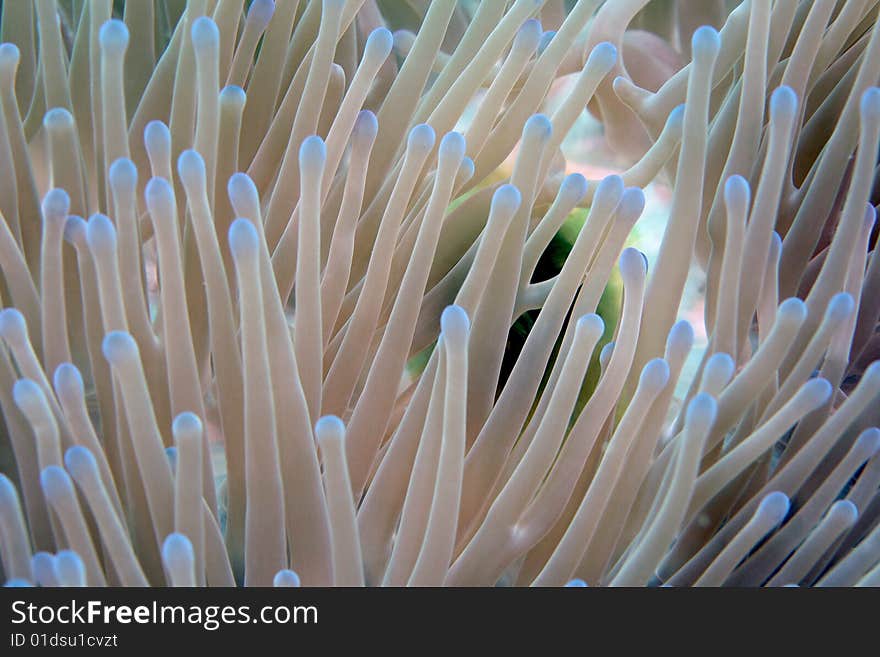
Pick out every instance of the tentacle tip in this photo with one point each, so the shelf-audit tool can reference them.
(775, 505)
(157, 135)
(75, 230)
(379, 44)
(205, 33)
(68, 377)
(610, 188)
(592, 326)
(783, 102)
(329, 427)
(845, 510)
(705, 42)
(840, 307)
(100, 233)
(869, 440)
(655, 374)
(721, 362)
(366, 125)
(123, 174)
(41, 558)
(701, 409)
(79, 458)
(241, 188)
(260, 12)
(621, 84)
(603, 56)
(232, 94)
(55, 481)
(312, 152)
(10, 55)
(632, 204)
(286, 578)
(119, 346)
(507, 198)
(12, 324)
(871, 376)
(187, 424)
(113, 37)
(243, 239)
(26, 392)
(56, 205)
(159, 194)
(792, 309)
(452, 147)
(191, 167)
(528, 37)
(737, 191)
(454, 323)
(633, 262)
(870, 104)
(177, 546)
(817, 392)
(58, 118)
(675, 120)
(421, 138)
(538, 126)
(574, 187)
(682, 332)
(403, 40)
(69, 562)
(870, 216)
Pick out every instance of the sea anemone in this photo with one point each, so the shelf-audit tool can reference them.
(265, 270)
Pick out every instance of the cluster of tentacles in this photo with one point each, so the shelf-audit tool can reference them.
(229, 228)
